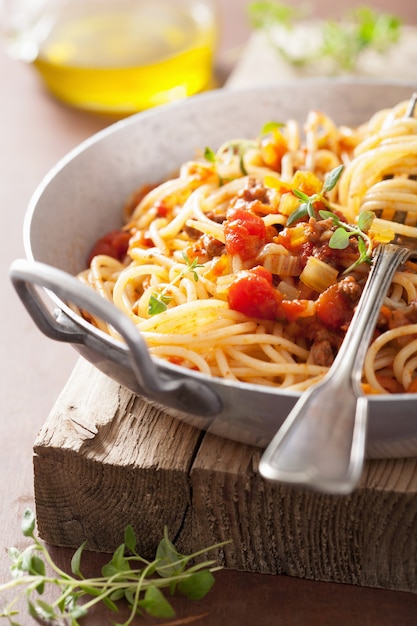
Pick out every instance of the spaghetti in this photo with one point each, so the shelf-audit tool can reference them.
(249, 264)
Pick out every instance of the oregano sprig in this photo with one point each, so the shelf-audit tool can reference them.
(341, 237)
(127, 576)
(307, 206)
(344, 231)
(158, 302)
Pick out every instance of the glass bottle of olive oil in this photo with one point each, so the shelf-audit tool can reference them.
(123, 56)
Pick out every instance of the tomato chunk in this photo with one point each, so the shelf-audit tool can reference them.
(114, 244)
(293, 309)
(245, 233)
(333, 309)
(253, 294)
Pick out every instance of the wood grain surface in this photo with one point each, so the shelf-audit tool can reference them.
(102, 446)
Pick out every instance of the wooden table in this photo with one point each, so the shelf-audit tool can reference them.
(35, 132)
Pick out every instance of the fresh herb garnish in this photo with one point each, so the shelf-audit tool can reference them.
(341, 236)
(342, 41)
(344, 231)
(126, 576)
(210, 155)
(307, 208)
(158, 302)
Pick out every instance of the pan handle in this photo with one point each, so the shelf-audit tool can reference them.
(185, 394)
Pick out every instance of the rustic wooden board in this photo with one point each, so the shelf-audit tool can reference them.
(105, 458)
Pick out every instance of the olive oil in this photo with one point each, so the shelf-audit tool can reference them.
(126, 56)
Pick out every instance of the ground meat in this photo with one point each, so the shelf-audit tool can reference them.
(318, 234)
(206, 248)
(255, 191)
(252, 197)
(191, 232)
(216, 217)
(322, 353)
(319, 229)
(211, 246)
(351, 290)
(323, 342)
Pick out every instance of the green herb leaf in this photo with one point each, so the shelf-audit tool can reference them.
(362, 250)
(341, 236)
(365, 220)
(301, 195)
(332, 178)
(210, 155)
(76, 561)
(156, 604)
(43, 610)
(339, 240)
(130, 538)
(78, 612)
(190, 266)
(121, 580)
(158, 303)
(28, 523)
(118, 563)
(170, 562)
(197, 585)
(329, 214)
(310, 209)
(299, 214)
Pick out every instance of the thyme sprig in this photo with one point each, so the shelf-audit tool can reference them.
(344, 231)
(158, 302)
(128, 576)
(340, 238)
(307, 206)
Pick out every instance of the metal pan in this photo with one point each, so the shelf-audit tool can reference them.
(82, 198)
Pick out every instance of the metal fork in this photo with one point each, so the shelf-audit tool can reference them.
(322, 442)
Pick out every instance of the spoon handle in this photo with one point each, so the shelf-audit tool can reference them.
(322, 442)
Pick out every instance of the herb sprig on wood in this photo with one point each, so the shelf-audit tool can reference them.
(127, 576)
